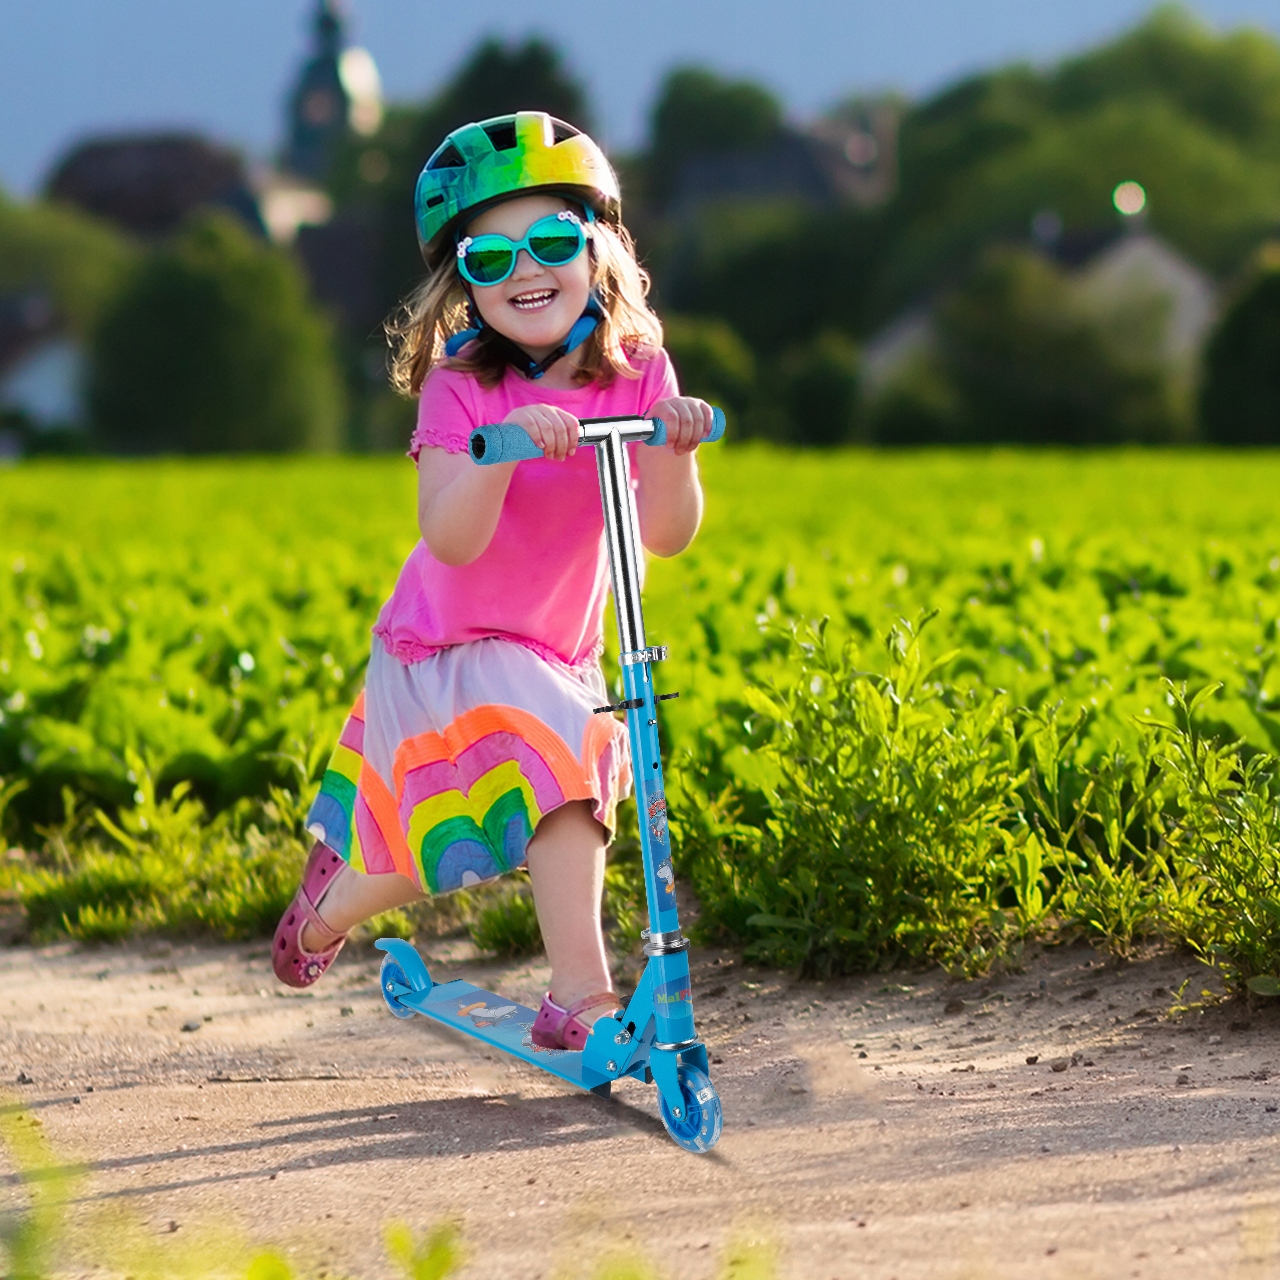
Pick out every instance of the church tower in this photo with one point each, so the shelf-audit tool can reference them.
(338, 90)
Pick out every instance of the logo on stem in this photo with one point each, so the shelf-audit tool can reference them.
(658, 817)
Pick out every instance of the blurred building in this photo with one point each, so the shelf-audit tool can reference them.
(848, 158)
(338, 91)
(341, 260)
(1109, 268)
(1142, 265)
(41, 373)
(148, 183)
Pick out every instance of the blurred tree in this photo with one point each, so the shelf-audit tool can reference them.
(1030, 363)
(213, 346)
(778, 275)
(942, 139)
(1191, 115)
(698, 113)
(920, 406)
(1206, 196)
(76, 260)
(496, 80)
(1240, 403)
(711, 360)
(1227, 83)
(817, 385)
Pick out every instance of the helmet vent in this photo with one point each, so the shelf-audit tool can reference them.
(561, 132)
(432, 201)
(502, 135)
(448, 158)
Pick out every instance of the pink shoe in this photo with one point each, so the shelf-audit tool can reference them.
(294, 966)
(559, 1028)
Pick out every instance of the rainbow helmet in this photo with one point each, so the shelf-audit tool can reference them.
(482, 162)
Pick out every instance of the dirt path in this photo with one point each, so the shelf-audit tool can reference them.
(874, 1128)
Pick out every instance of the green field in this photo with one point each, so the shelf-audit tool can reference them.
(207, 622)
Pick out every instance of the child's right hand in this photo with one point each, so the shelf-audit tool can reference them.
(553, 430)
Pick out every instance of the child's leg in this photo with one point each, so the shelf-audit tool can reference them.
(351, 899)
(566, 867)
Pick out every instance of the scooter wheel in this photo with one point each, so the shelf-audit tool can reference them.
(699, 1128)
(390, 976)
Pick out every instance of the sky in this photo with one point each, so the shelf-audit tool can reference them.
(75, 68)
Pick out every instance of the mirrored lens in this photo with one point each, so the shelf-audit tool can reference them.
(489, 260)
(554, 243)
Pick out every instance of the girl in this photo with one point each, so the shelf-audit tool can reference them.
(474, 749)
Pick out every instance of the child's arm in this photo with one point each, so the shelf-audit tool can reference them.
(459, 503)
(670, 497)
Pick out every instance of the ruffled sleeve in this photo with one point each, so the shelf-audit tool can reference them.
(446, 416)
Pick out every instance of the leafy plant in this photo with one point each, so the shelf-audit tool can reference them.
(1225, 838)
(508, 924)
(893, 799)
(164, 867)
(435, 1255)
(29, 1238)
(1106, 867)
(908, 823)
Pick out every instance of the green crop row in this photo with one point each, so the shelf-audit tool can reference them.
(897, 819)
(179, 643)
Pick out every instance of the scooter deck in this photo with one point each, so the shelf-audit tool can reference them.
(483, 1015)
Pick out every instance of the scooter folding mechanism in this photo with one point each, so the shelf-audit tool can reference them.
(653, 1039)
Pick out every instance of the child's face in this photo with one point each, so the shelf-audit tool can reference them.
(535, 306)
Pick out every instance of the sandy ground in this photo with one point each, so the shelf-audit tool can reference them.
(878, 1128)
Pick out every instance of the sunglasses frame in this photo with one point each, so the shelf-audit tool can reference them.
(467, 243)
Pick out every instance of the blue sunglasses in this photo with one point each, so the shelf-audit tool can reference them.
(552, 241)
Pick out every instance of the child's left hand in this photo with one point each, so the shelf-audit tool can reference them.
(688, 420)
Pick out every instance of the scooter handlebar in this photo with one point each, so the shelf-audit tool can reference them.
(507, 442)
(501, 442)
(717, 429)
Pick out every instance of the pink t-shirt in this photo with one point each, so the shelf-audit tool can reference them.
(543, 579)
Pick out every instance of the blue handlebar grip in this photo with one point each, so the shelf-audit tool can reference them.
(501, 442)
(717, 429)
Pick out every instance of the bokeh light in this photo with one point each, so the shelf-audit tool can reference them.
(1129, 198)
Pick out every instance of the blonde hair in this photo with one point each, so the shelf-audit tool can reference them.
(437, 309)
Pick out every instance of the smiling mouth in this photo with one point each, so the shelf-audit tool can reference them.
(535, 300)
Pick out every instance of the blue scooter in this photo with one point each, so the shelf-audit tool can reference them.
(653, 1039)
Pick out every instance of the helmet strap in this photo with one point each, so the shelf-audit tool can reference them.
(583, 327)
(475, 327)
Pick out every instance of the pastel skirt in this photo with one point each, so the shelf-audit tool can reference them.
(446, 766)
